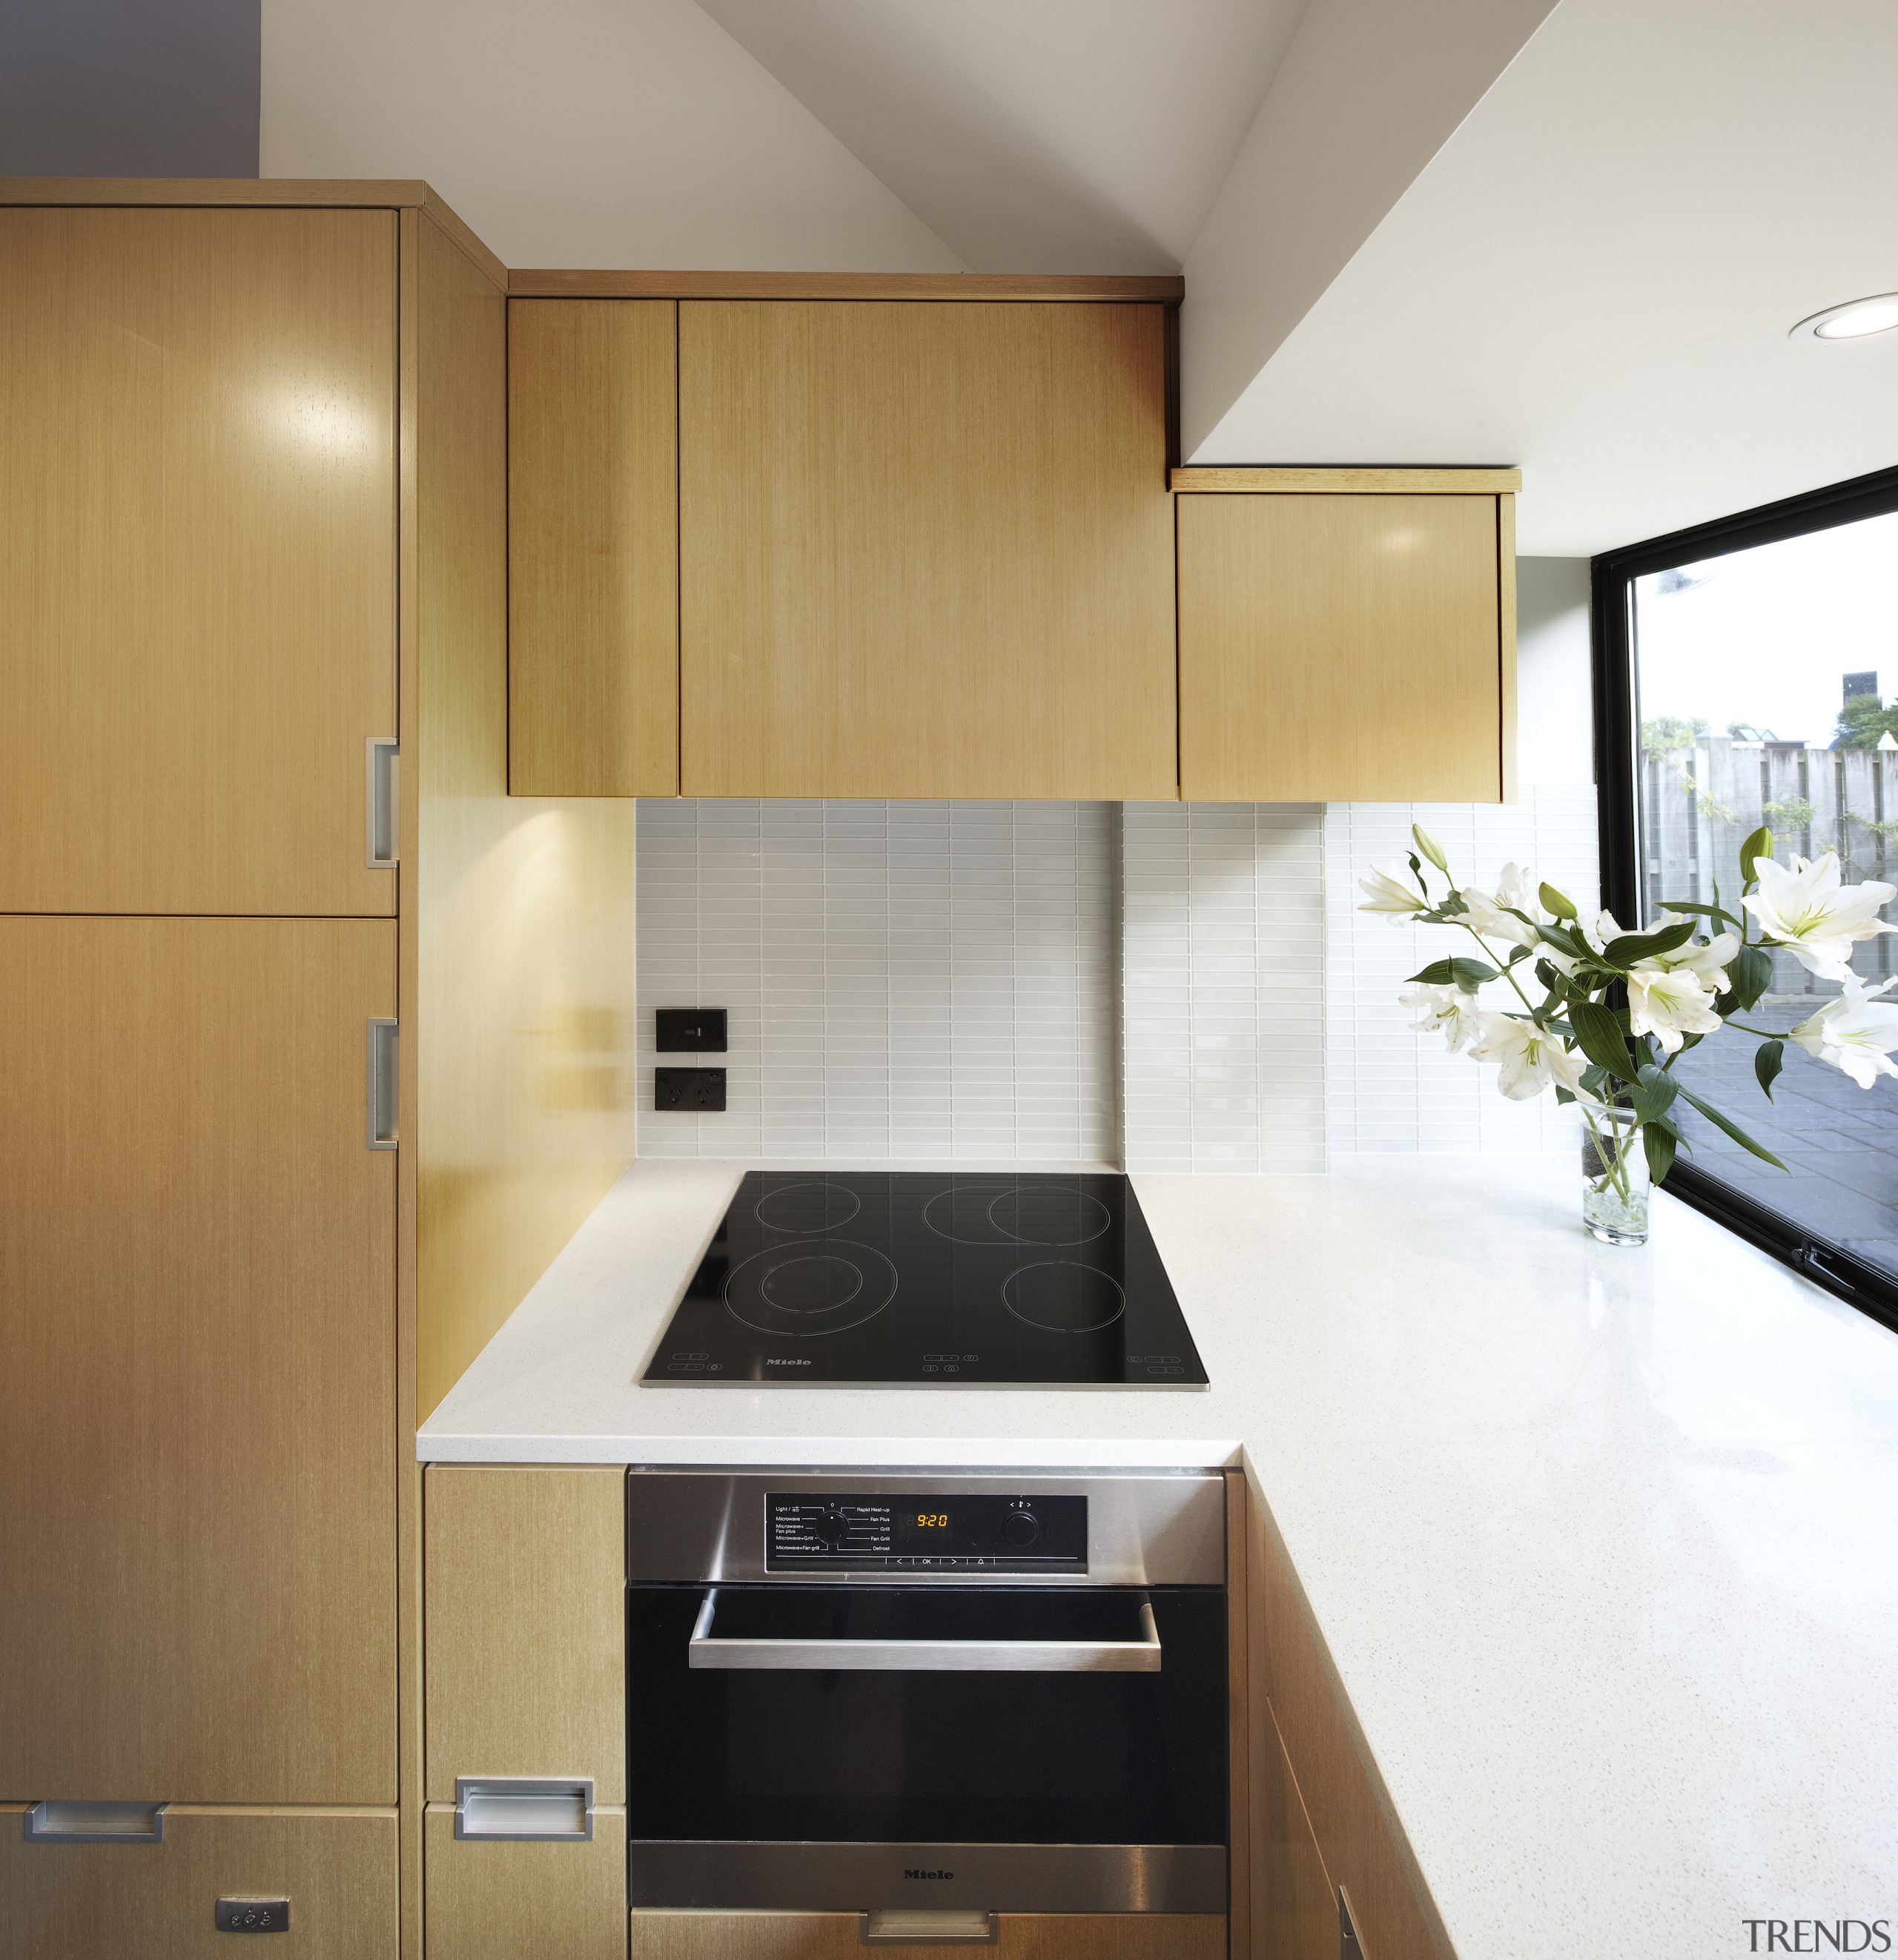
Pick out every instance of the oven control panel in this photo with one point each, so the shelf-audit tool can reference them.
(931, 1536)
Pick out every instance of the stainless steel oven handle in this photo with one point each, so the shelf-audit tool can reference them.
(1140, 1656)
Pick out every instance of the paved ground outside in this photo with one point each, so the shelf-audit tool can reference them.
(1839, 1141)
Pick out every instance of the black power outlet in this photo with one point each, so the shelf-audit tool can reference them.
(688, 1089)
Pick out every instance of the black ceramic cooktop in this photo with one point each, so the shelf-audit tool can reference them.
(910, 1280)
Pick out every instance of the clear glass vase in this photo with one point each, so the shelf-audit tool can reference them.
(1615, 1189)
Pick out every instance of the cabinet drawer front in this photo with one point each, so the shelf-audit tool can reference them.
(925, 550)
(835, 1935)
(198, 563)
(80, 1901)
(197, 1309)
(504, 1900)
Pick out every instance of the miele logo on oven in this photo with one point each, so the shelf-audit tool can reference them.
(908, 1874)
(773, 1361)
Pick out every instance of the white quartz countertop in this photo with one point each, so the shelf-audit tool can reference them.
(1603, 1543)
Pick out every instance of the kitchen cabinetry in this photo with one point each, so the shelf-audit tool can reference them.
(197, 1287)
(925, 549)
(503, 1900)
(1346, 635)
(836, 1935)
(1320, 1818)
(256, 462)
(198, 565)
(592, 547)
(79, 1901)
(525, 1574)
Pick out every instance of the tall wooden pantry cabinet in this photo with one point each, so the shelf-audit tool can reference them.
(315, 1042)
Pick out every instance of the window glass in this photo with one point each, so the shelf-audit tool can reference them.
(1767, 686)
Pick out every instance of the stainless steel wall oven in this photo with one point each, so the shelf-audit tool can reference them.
(863, 1693)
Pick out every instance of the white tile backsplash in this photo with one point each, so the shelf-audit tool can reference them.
(1387, 1089)
(905, 981)
(1223, 986)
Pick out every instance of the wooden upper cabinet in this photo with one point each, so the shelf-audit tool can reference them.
(593, 549)
(925, 549)
(1337, 647)
(198, 563)
(197, 1340)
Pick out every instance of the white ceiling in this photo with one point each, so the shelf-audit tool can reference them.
(1034, 135)
(1595, 275)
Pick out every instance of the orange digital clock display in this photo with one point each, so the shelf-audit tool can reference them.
(932, 1521)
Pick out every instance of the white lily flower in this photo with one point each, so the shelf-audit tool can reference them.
(1669, 1003)
(1855, 1033)
(1707, 964)
(1816, 920)
(1530, 1059)
(1391, 893)
(1485, 911)
(1444, 1008)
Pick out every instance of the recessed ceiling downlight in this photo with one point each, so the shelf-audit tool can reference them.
(1852, 321)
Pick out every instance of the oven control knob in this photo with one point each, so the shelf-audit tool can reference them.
(831, 1529)
(1021, 1528)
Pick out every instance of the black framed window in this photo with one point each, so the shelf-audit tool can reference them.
(1746, 674)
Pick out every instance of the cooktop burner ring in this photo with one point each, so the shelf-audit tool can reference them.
(791, 1207)
(965, 1214)
(1064, 1297)
(809, 1288)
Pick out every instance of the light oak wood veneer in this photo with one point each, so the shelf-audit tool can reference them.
(925, 550)
(157, 1901)
(525, 1576)
(593, 547)
(525, 1901)
(198, 563)
(1337, 647)
(1020, 1936)
(197, 1294)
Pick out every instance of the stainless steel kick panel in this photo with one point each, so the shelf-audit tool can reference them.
(1156, 1527)
(737, 1876)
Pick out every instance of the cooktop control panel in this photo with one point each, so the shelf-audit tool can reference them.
(929, 1535)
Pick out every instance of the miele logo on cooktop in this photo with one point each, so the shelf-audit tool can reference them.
(909, 1874)
(777, 1361)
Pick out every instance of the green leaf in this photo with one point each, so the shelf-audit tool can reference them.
(1467, 974)
(1598, 1036)
(1759, 845)
(1430, 848)
(1733, 1130)
(1633, 946)
(1768, 1058)
(1749, 974)
(1564, 940)
(1661, 1147)
(1654, 1092)
(1558, 902)
(1716, 910)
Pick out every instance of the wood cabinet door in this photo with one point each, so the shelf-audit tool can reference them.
(197, 1338)
(524, 1579)
(593, 547)
(1335, 647)
(198, 564)
(505, 1901)
(159, 1901)
(925, 550)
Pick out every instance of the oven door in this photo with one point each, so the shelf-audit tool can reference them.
(840, 1749)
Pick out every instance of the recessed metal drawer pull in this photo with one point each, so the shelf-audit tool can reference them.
(899, 1927)
(95, 1824)
(381, 1093)
(1140, 1656)
(379, 851)
(525, 1809)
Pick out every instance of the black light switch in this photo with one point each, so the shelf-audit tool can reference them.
(691, 1030)
(688, 1089)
